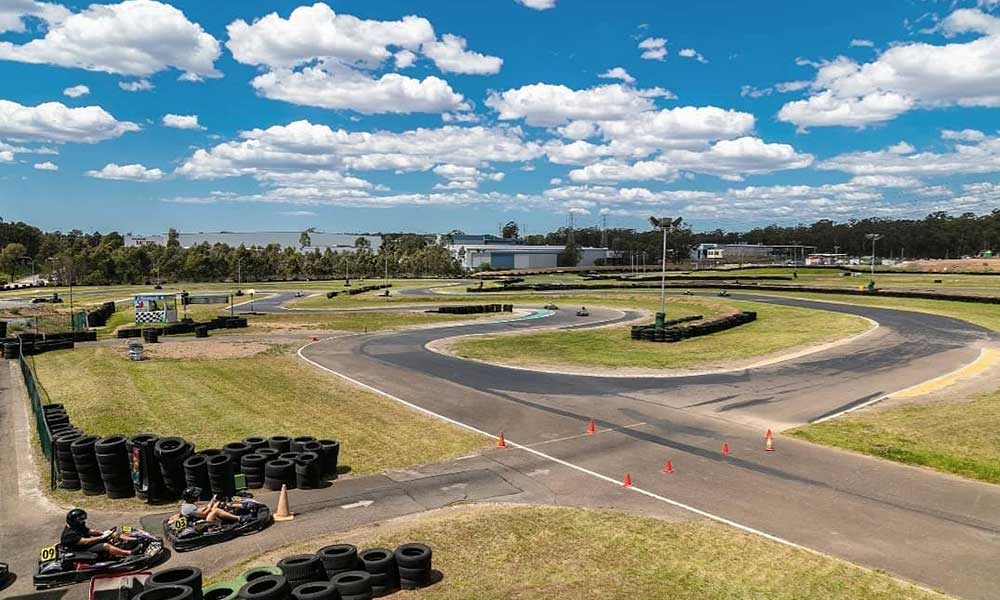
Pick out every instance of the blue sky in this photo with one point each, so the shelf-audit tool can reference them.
(435, 115)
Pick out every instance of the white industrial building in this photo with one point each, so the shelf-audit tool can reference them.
(732, 253)
(516, 256)
(337, 242)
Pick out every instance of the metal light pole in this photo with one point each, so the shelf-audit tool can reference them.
(32, 267)
(874, 237)
(664, 225)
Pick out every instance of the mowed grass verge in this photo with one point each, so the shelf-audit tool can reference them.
(212, 402)
(777, 329)
(956, 437)
(502, 553)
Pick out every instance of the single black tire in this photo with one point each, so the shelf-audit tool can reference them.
(252, 462)
(273, 587)
(167, 592)
(170, 449)
(338, 557)
(113, 444)
(379, 561)
(413, 556)
(298, 442)
(281, 443)
(302, 567)
(221, 591)
(268, 453)
(353, 583)
(256, 443)
(84, 446)
(189, 576)
(317, 590)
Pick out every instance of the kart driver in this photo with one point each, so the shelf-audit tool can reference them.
(212, 513)
(78, 537)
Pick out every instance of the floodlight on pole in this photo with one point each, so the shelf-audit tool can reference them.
(664, 224)
(874, 237)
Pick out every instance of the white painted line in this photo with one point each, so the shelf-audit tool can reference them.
(884, 396)
(559, 461)
(358, 504)
(267, 297)
(581, 435)
(538, 473)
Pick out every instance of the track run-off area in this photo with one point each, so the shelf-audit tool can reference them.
(933, 529)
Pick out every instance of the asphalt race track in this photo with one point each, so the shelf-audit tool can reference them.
(933, 529)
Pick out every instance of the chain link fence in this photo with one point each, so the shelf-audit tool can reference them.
(39, 398)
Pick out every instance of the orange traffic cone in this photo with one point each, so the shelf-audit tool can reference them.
(628, 480)
(501, 443)
(591, 427)
(725, 448)
(768, 441)
(283, 513)
(669, 467)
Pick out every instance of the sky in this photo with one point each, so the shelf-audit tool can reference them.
(435, 115)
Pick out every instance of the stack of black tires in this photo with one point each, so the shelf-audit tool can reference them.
(87, 467)
(179, 583)
(114, 466)
(99, 317)
(221, 475)
(473, 309)
(69, 478)
(170, 453)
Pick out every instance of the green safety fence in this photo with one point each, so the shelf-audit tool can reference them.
(39, 398)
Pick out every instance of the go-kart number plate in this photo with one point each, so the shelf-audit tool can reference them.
(126, 529)
(48, 553)
(180, 523)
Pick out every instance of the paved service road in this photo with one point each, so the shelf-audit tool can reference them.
(937, 530)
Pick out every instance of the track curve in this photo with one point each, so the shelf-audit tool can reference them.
(924, 526)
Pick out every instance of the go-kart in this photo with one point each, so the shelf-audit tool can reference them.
(583, 312)
(550, 306)
(185, 535)
(58, 566)
(724, 294)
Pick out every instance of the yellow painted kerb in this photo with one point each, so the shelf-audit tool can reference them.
(987, 358)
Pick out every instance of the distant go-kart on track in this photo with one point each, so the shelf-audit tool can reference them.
(930, 528)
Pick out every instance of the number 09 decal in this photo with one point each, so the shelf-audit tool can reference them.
(47, 554)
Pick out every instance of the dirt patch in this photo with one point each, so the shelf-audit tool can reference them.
(200, 350)
(968, 265)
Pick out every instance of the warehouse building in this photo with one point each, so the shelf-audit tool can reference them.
(732, 253)
(337, 242)
(503, 256)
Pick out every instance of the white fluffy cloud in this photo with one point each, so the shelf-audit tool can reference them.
(338, 87)
(653, 48)
(54, 121)
(135, 37)
(965, 135)
(550, 105)
(139, 85)
(692, 53)
(317, 57)
(538, 4)
(729, 159)
(134, 172)
(13, 12)
(46, 166)
(982, 156)
(76, 91)
(907, 76)
(182, 122)
(617, 73)
(306, 147)
(450, 56)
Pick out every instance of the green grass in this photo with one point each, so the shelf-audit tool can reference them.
(511, 553)
(777, 329)
(212, 402)
(958, 437)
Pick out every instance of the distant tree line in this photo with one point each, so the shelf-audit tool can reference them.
(96, 259)
(938, 235)
(101, 259)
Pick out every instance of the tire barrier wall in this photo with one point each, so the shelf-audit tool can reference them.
(30, 344)
(99, 317)
(473, 309)
(359, 290)
(674, 333)
(185, 328)
(551, 287)
(334, 572)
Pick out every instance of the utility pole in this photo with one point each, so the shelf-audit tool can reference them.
(874, 237)
(604, 231)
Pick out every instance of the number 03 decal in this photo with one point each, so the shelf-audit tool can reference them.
(180, 523)
(47, 554)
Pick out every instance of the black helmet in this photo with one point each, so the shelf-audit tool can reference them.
(76, 517)
(191, 494)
